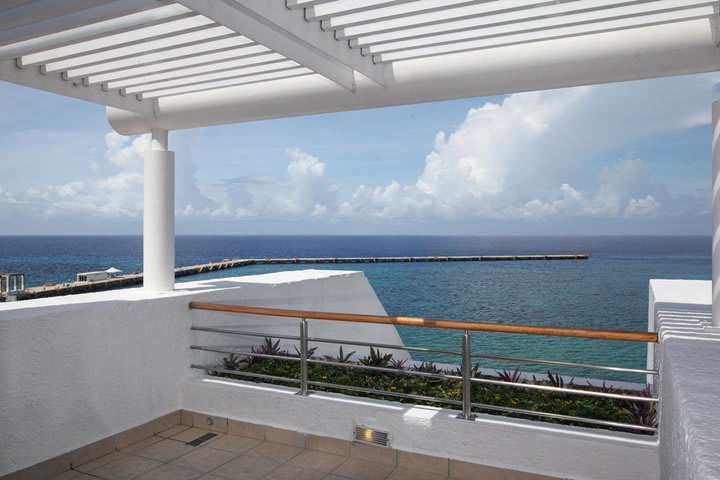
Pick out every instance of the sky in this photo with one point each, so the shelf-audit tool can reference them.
(623, 158)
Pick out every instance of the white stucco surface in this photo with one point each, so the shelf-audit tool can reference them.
(687, 356)
(77, 369)
(536, 447)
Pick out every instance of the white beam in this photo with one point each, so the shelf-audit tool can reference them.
(45, 23)
(75, 27)
(648, 52)
(30, 77)
(285, 31)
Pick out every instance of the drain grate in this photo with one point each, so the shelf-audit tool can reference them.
(371, 436)
(201, 439)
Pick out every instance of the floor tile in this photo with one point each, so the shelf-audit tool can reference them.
(141, 444)
(69, 475)
(210, 477)
(288, 472)
(193, 433)
(99, 462)
(363, 470)
(233, 443)
(173, 431)
(321, 461)
(246, 468)
(409, 474)
(275, 451)
(204, 459)
(335, 477)
(164, 450)
(125, 468)
(170, 472)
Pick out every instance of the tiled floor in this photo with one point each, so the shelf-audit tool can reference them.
(170, 455)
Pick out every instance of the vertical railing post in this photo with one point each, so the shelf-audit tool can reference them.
(303, 358)
(466, 378)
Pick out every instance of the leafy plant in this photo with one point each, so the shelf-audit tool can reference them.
(641, 413)
(558, 381)
(427, 367)
(376, 359)
(474, 371)
(231, 362)
(398, 364)
(310, 352)
(515, 376)
(341, 357)
(270, 348)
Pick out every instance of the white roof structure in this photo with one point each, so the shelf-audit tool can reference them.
(189, 63)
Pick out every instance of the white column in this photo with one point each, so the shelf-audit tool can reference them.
(716, 214)
(159, 215)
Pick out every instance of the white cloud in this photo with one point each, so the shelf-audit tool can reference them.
(535, 155)
(642, 207)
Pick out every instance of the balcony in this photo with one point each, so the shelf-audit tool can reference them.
(98, 383)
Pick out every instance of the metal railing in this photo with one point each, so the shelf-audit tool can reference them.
(466, 375)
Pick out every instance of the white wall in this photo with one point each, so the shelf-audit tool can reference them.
(687, 356)
(76, 369)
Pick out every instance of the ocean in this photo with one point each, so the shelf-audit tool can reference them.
(608, 291)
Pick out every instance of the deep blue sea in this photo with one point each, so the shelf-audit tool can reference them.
(608, 291)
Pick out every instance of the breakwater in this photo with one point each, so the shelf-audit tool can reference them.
(135, 279)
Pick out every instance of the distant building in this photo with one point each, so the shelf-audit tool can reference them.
(92, 276)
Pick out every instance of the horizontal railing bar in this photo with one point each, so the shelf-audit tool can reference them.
(382, 345)
(385, 392)
(558, 416)
(243, 373)
(432, 323)
(247, 354)
(242, 333)
(572, 391)
(565, 364)
(384, 369)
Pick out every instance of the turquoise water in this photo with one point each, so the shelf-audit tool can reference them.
(608, 291)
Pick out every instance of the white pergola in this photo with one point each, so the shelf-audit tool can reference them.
(161, 65)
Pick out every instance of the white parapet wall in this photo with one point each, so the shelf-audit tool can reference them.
(80, 368)
(687, 356)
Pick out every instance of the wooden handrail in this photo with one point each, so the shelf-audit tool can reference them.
(427, 322)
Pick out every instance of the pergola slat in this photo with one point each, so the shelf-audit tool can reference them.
(195, 51)
(214, 76)
(261, 78)
(497, 29)
(68, 32)
(543, 35)
(268, 59)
